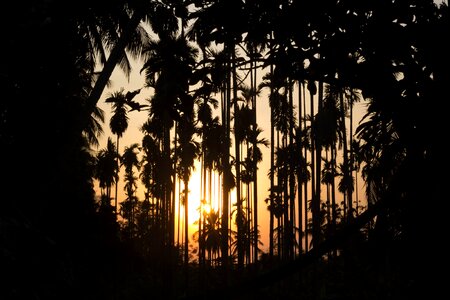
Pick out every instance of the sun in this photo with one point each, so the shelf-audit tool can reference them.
(206, 208)
(195, 200)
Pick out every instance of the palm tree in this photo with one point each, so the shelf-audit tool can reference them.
(239, 132)
(221, 79)
(168, 69)
(210, 150)
(212, 235)
(215, 139)
(269, 81)
(212, 25)
(106, 168)
(254, 157)
(94, 129)
(251, 132)
(300, 166)
(153, 179)
(328, 122)
(118, 124)
(188, 152)
(248, 236)
(130, 161)
(131, 37)
(328, 178)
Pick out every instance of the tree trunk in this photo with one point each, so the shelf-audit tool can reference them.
(117, 177)
(314, 211)
(291, 222)
(348, 193)
(186, 231)
(116, 54)
(333, 192)
(167, 186)
(306, 171)
(272, 166)
(255, 173)
(299, 174)
(226, 173)
(237, 144)
(179, 215)
(351, 163)
(173, 191)
(286, 221)
(317, 232)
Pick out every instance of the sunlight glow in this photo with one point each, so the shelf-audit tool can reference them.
(196, 203)
(206, 208)
(194, 197)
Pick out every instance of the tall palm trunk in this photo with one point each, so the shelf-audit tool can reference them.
(305, 170)
(226, 173)
(248, 224)
(316, 201)
(285, 184)
(167, 186)
(255, 170)
(117, 177)
(299, 173)
(333, 151)
(166, 245)
(357, 207)
(346, 167)
(186, 230)
(328, 192)
(291, 182)
(116, 54)
(351, 159)
(237, 144)
(179, 214)
(314, 211)
(272, 169)
(203, 186)
(173, 192)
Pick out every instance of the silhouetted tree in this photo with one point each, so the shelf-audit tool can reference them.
(130, 161)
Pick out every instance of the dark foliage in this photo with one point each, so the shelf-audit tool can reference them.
(55, 243)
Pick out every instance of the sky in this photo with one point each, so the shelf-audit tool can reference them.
(133, 135)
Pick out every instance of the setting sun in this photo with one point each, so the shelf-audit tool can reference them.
(195, 204)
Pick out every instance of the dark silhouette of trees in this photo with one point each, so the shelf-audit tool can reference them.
(130, 161)
(106, 170)
(314, 61)
(118, 125)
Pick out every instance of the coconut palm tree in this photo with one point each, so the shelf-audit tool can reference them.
(328, 131)
(106, 168)
(160, 16)
(239, 134)
(188, 152)
(118, 124)
(130, 161)
(212, 25)
(169, 65)
(212, 235)
(253, 158)
(250, 133)
(269, 81)
(248, 235)
(209, 151)
(153, 179)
